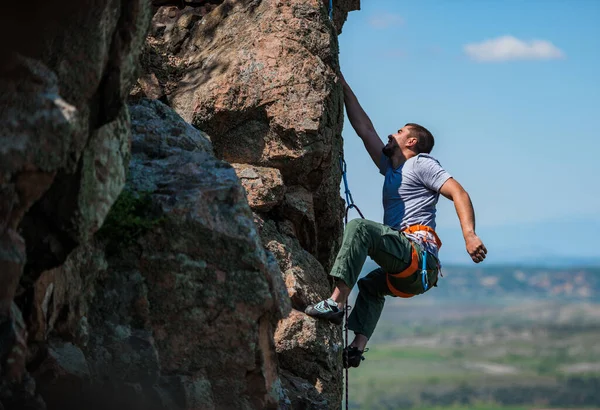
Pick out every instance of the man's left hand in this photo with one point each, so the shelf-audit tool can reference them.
(475, 248)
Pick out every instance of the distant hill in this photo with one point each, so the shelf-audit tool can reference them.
(522, 281)
(550, 243)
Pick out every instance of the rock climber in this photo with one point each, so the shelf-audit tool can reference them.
(405, 245)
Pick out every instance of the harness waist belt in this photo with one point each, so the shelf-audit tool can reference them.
(417, 228)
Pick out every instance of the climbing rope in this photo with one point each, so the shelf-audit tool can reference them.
(349, 204)
(346, 347)
(330, 9)
(349, 200)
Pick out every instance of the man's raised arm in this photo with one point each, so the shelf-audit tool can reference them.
(362, 124)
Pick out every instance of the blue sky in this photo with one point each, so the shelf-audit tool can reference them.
(511, 91)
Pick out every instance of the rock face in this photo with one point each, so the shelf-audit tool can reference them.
(204, 264)
(65, 131)
(263, 76)
(93, 73)
(174, 306)
(260, 78)
(190, 295)
(64, 77)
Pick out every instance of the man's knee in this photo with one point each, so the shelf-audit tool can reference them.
(369, 286)
(363, 226)
(362, 285)
(355, 224)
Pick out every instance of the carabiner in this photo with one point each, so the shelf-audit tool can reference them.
(424, 279)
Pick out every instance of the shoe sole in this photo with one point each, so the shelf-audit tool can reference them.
(336, 318)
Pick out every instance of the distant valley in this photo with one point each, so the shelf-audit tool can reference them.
(479, 282)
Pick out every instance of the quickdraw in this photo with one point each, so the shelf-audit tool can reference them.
(349, 200)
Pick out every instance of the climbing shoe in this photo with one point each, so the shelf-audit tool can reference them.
(326, 309)
(351, 356)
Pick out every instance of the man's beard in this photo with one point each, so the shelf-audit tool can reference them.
(388, 150)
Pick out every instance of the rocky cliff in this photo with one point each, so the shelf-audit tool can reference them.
(158, 255)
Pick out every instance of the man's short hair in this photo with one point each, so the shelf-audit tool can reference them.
(425, 139)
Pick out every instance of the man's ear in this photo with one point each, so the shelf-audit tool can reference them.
(412, 141)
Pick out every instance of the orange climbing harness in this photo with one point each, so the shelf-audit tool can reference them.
(414, 262)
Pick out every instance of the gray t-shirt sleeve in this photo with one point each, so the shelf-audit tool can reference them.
(430, 172)
(384, 164)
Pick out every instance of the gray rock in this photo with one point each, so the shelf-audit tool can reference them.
(206, 289)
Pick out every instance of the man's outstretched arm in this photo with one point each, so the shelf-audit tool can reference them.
(362, 124)
(466, 215)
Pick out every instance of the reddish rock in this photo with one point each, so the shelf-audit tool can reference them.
(306, 282)
(259, 77)
(298, 207)
(305, 279)
(264, 186)
(313, 351)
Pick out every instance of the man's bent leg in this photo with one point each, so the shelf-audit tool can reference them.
(368, 306)
(365, 315)
(361, 239)
(393, 255)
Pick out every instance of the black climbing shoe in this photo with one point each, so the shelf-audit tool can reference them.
(351, 356)
(325, 310)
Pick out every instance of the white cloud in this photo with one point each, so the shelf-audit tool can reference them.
(509, 48)
(385, 20)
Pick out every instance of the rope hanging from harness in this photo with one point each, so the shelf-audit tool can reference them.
(349, 204)
(330, 9)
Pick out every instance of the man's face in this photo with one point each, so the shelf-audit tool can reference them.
(399, 140)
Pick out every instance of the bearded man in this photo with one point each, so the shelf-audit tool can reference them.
(405, 246)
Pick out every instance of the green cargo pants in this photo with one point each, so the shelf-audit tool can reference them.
(392, 251)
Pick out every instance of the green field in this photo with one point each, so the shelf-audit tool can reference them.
(477, 407)
(504, 355)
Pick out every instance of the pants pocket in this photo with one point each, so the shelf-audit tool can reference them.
(393, 253)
